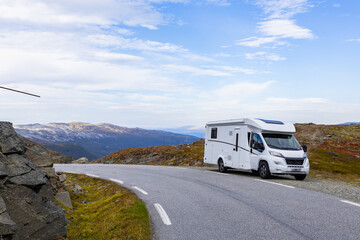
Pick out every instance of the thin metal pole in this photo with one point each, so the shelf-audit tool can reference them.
(20, 91)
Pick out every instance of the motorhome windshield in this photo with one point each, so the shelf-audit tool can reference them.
(281, 141)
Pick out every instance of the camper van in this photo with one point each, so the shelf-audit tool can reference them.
(265, 147)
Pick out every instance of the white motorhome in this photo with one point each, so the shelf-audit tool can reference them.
(263, 146)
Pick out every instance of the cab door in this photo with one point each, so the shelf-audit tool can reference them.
(256, 150)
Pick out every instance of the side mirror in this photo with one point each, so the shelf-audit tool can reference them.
(304, 147)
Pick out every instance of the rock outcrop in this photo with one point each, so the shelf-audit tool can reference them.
(82, 160)
(28, 184)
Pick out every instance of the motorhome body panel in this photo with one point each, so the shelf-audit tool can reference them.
(230, 143)
(229, 140)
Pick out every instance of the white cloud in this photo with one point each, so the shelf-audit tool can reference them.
(264, 56)
(219, 2)
(257, 41)
(298, 100)
(236, 69)
(284, 28)
(354, 40)
(241, 90)
(282, 8)
(336, 5)
(77, 13)
(195, 70)
(278, 25)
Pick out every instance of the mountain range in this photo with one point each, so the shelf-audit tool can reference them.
(78, 139)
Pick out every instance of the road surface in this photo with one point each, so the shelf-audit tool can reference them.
(197, 204)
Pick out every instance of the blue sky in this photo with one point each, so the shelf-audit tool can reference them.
(161, 64)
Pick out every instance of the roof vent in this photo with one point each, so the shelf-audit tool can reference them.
(271, 121)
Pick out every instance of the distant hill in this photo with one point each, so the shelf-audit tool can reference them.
(333, 150)
(96, 140)
(350, 123)
(188, 130)
(173, 155)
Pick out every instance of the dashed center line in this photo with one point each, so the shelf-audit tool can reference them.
(283, 185)
(92, 175)
(116, 180)
(164, 217)
(140, 190)
(352, 203)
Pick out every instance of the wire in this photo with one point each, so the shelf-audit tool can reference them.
(20, 91)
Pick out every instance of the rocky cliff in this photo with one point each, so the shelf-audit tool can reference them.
(28, 184)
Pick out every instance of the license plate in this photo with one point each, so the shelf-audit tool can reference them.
(295, 170)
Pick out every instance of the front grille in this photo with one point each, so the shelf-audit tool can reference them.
(294, 161)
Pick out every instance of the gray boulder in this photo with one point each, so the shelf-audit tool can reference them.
(36, 214)
(33, 179)
(7, 225)
(64, 198)
(82, 160)
(3, 170)
(10, 141)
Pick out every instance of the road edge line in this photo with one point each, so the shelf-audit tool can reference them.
(116, 180)
(140, 190)
(349, 202)
(92, 175)
(164, 217)
(283, 185)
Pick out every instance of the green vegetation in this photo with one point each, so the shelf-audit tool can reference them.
(334, 151)
(104, 210)
(170, 155)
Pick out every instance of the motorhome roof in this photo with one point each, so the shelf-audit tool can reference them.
(262, 124)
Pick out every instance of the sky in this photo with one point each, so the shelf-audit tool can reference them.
(161, 64)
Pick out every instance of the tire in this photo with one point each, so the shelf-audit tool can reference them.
(264, 171)
(300, 177)
(222, 167)
(255, 172)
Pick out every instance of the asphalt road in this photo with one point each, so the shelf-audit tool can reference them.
(197, 204)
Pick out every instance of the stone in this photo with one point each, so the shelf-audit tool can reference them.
(49, 171)
(7, 225)
(36, 214)
(17, 165)
(10, 141)
(35, 178)
(77, 189)
(3, 169)
(2, 205)
(62, 177)
(38, 156)
(82, 160)
(64, 198)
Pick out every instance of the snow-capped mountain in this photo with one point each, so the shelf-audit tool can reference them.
(79, 139)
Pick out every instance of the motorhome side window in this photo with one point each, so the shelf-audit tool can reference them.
(214, 133)
(256, 142)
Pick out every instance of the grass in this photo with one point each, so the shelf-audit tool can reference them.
(104, 210)
(334, 151)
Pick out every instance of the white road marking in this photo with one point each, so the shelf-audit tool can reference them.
(164, 217)
(274, 183)
(92, 175)
(352, 203)
(140, 190)
(116, 180)
(217, 172)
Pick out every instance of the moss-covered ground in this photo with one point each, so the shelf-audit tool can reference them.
(104, 210)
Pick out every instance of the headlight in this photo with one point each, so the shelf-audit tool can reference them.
(305, 155)
(276, 154)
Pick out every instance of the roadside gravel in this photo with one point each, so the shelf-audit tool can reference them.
(340, 189)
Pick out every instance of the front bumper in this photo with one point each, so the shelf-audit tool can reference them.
(289, 169)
